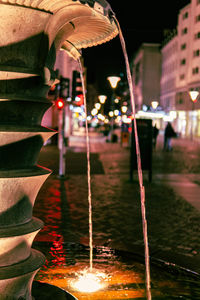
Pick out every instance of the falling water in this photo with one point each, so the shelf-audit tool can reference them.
(140, 176)
(88, 167)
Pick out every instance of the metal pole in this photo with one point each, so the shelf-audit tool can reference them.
(61, 144)
(112, 118)
(192, 123)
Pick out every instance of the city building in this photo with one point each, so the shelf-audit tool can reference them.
(181, 71)
(146, 75)
(146, 81)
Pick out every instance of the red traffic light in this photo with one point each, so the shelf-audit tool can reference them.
(79, 100)
(60, 103)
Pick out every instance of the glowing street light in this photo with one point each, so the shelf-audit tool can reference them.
(193, 95)
(113, 81)
(154, 104)
(116, 112)
(124, 109)
(111, 114)
(97, 106)
(94, 112)
(102, 99)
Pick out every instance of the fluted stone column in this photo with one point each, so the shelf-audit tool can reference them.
(32, 31)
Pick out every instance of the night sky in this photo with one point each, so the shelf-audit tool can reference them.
(140, 21)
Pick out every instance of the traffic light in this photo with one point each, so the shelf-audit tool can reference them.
(53, 91)
(79, 100)
(64, 87)
(77, 88)
(60, 103)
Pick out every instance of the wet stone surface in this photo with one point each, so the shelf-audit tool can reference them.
(173, 224)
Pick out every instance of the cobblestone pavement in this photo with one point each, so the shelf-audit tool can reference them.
(173, 223)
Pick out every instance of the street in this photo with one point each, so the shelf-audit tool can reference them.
(173, 223)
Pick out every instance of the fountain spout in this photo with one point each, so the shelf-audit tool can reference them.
(32, 32)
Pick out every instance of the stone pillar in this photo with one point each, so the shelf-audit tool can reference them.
(31, 34)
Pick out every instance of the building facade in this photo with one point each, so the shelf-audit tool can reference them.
(146, 75)
(181, 71)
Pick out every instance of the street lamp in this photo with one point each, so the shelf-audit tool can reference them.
(113, 80)
(102, 99)
(97, 106)
(111, 113)
(154, 104)
(193, 96)
(94, 112)
(124, 109)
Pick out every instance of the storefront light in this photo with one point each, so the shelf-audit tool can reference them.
(173, 114)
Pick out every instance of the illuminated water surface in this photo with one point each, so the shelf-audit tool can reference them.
(120, 275)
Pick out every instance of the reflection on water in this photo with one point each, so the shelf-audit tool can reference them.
(124, 273)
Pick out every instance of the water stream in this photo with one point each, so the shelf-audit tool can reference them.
(88, 167)
(140, 176)
(139, 165)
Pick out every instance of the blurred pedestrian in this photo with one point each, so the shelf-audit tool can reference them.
(155, 135)
(168, 135)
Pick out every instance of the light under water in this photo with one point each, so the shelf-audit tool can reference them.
(124, 273)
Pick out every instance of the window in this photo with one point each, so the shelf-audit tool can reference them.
(197, 35)
(184, 31)
(183, 61)
(185, 15)
(198, 2)
(197, 19)
(183, 46)
(196, 52)
(195, 70)
(182, 76)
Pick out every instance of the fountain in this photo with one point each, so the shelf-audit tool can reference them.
(31, 34)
